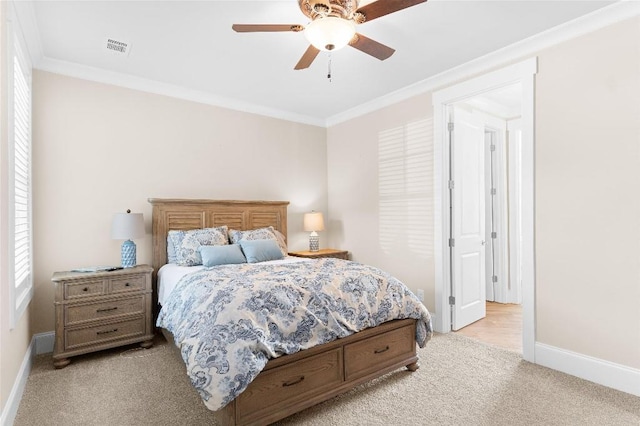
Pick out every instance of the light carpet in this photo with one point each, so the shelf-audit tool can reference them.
(460, 382)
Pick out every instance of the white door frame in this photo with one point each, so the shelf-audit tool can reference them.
(523, 73)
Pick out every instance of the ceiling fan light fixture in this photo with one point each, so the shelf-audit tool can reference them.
(330, 33)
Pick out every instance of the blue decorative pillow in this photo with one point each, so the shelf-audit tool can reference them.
(261, 250)
(268, 233)
(222, 255)
(187, 243)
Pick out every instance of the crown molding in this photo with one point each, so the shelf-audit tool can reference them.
(26, 16)
(152, 86)
(593, 21)
(612, 14)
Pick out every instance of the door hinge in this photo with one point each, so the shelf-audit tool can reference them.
(451, 127)
(494, 235)
(452, 184)
(493, 147)
(494, 191)
(452, 242)
(452, 300)
(494, 278)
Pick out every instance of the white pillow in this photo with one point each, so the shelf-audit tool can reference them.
(187, 243)
(268, 233)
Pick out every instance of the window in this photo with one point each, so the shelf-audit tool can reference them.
(19, 161)
(405, 188)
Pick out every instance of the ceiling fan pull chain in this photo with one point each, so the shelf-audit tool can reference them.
(329, 72)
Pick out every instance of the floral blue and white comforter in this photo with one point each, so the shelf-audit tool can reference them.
(228, 321)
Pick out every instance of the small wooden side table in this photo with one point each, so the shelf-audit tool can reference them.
(100, 310)
(339, 254)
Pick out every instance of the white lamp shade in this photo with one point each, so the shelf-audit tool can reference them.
(127, 226)
(313, 222)
(330, 33)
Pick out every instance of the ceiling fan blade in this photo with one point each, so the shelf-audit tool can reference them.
(371, 47)
(254, 28)
(380, 8)
(307, 58)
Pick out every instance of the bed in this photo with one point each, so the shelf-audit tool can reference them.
(288, 383)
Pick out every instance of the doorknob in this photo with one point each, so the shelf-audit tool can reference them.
(483, 242)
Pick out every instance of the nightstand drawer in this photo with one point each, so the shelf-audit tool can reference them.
(132, 283)
(103, 333)
(78, 314)
(83, 288)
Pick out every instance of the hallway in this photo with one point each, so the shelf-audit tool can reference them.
(501, 327)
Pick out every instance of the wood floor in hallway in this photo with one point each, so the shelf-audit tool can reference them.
(501, 327)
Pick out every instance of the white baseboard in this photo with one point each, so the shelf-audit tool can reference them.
(44, 342)
(612, 375)
(41, 343)
(13, 402)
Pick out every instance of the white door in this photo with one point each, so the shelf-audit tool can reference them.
(467, 219)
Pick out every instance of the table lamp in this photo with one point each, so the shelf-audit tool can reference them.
(127, 226)
(313, 222)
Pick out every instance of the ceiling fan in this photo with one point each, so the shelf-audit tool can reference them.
(333, 26)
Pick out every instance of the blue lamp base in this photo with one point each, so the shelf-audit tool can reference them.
(314, 242)
(128, 253)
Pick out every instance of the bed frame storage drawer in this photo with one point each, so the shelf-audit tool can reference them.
(257, 406)
(367, 356)
(291, 383)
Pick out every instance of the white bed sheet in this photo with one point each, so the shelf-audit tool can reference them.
(170, 274)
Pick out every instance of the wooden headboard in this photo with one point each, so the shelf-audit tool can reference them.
(184, 214)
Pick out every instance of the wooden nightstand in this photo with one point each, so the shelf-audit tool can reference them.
(100, 310)
(340, 254)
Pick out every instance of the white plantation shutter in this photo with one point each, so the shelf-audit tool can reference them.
(20, 177)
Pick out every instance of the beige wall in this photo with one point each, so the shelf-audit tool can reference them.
(588, 194)
(101, 149)
(587, 176)
(352, 153)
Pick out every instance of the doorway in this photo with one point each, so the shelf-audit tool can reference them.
(498, 114)
(501, 327)
(451, 299)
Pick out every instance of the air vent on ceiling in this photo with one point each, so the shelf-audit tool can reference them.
(117, 46)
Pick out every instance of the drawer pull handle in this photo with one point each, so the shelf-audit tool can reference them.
(127, 285)
(107, 331)
(379, 351)
(107, 309)
(293, 382)
(85, 289)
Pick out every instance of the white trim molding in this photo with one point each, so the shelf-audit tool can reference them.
(593, 21)
(44, 342)
(159, 88)
(609, 374)
(600, 18)
(13, 402)
(523, 73)
(41, 343)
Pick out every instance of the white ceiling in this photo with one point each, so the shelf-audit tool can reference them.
(505, 102)
(189, 46)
